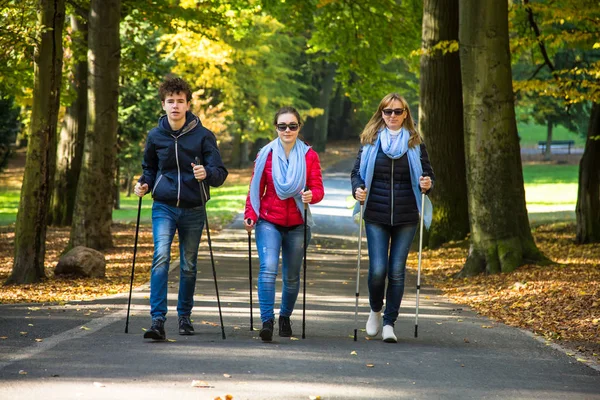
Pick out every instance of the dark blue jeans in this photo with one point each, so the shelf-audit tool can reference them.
(271, 240)
(388, 251)
(189, 223)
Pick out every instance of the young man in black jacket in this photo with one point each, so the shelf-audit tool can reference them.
(176, 182)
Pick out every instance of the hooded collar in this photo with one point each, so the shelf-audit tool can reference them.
(191, 122)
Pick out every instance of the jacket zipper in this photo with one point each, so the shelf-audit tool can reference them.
(178, 168)
(178, 172)
(392, 196)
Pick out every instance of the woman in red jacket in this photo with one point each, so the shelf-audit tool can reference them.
(287, 175)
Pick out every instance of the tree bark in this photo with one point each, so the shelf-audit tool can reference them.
(72, 134)
(441, 122)
(93, 208)
(30, 233)
(322, 121)
(588, 195)
(501, 239)
(548, 150)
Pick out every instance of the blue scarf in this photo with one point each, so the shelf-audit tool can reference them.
(395, 149)
(289, 175)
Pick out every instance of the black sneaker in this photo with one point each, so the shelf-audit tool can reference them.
(156, 331)
(285, 326)
(266, 333)
(185, 326)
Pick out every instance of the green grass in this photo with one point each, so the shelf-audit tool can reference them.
(224, 205)
(550, 191)
(531, 134)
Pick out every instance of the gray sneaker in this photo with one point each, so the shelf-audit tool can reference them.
(185, 326)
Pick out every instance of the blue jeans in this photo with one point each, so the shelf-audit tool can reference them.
(189, 223)
(379, 237)
(270, 240)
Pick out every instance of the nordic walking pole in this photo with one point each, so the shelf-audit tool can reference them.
(360, 222)
(137, 231)
(419, 267)
(248, 221)
(304, 279)
(204, 197)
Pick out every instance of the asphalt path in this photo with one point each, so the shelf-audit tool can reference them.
(82, 352)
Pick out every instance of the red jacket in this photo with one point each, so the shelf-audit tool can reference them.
(285, 212)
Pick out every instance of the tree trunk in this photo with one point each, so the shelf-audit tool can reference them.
(322, 121)
(72, 134)
(93, 208)
(588, 196)
(548, 151)
(501, 239)
(30, 233)
(441, 122)
(240, 149)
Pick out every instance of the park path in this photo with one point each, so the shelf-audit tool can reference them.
(85, 354)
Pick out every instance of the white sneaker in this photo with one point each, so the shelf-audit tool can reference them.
(388, 334)
(374, 323)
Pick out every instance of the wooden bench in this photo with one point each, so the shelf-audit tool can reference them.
(556, 144)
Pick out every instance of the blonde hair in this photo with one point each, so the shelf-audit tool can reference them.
(376, 123)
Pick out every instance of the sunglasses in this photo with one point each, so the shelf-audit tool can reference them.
(282, 127)
(389, 111)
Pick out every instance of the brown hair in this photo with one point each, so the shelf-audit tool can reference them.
(376, 123)
(287, 110)
(174, 85)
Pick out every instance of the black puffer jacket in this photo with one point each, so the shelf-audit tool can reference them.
(385, 206)
(168, 159)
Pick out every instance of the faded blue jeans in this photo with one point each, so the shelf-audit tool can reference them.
(189, 223)
(271, 239)
(384, 262)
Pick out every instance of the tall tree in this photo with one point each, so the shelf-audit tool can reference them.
(72, 134)
(588, 196)
(30, 233)
(441, 119)
(93, 208)
(501, 239)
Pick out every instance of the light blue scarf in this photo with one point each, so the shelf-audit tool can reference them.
(395, 149)
(289, 174)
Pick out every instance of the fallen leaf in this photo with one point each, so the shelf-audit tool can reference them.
(370, 365)
(353, 352)
(227, 375)
(85, 328)
(22, 372)
(29, 324)
(311, 397)
(294, 338)
(23, 333)
(200, 384)
(228, 397)
(39, 340)
(3, 337)
(171, 340)
(486, 326)
(144, 329)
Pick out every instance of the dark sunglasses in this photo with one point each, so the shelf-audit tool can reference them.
(293, 127)
(389, 111)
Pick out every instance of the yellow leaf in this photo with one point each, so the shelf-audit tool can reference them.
(293, 338)
(23, 333)
(85, 328)
(200, 384)
(39, 340)
(370, 365)
(22, 372)
(3, 337)
(353, 352)
(29, 324)
(227, 375)
(311, 397)
(171, 340)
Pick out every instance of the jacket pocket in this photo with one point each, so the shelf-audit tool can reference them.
(156, 184)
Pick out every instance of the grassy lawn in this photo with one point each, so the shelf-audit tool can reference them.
(531, 134)
(225, 203)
